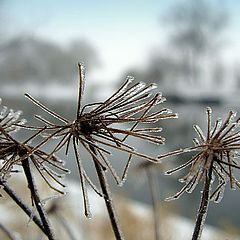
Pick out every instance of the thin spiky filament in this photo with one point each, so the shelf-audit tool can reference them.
(12, 153)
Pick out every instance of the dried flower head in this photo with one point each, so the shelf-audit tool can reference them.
(102, 125)
(217, 152)
(13, 152)
(9, 120)
(50, 168)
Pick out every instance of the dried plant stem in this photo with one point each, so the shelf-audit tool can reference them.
(154, 197)
(8, 233)
(37, 200)
(202, 211)
(108, 201)
(21, 204)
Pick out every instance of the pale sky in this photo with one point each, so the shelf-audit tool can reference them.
(122, 32)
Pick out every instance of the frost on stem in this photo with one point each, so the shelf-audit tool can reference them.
(100, 126)
(216, 157)
(220, 147)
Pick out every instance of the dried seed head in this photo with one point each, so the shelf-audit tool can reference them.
(100, 126)
(218, 149)
(10, 120)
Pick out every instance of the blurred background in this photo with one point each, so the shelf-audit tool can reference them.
(190, 48)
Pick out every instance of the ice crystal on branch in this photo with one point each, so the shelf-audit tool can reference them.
(217, 150)
(13, 152)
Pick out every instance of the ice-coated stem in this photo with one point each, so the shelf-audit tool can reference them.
(202, 211)
(108, 201)
(37, 200)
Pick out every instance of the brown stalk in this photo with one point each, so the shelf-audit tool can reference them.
(36, 198)
(108, 200)
(203, 208)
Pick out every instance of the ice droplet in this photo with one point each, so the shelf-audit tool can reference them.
(176, 115)
(219, 123)
(149, 88)
(182, 180)
(187, 150)
(161, 99)
(120, 184)
(130, 79)
(22, 121)
(209, 110)
(168, 199)
(168, 173)
(3, 112)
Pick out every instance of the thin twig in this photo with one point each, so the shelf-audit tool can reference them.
(202, 211)
(37, 200)
(108, 200)
(21, 204)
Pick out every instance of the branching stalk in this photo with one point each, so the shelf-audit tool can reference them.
(202, 211)
(108, 201)
(37, 200)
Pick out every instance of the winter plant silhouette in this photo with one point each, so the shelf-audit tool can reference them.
(96, 130)
(216, 157)
(100, 126)
(13, 153)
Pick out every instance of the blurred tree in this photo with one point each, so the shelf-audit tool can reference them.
(196, 29)
(81, 50)
(32, 59)
(3, 24)
(196, 26)
(194, 38)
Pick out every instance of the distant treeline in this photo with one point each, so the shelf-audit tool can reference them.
(27, 58)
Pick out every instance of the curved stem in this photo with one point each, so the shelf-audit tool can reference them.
(37, 200)
(108, 200)
(202, 211)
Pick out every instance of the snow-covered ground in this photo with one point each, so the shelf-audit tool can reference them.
(135, 218)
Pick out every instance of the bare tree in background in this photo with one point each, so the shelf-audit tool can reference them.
(26, 58)
(196, 29)
(194, 32)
